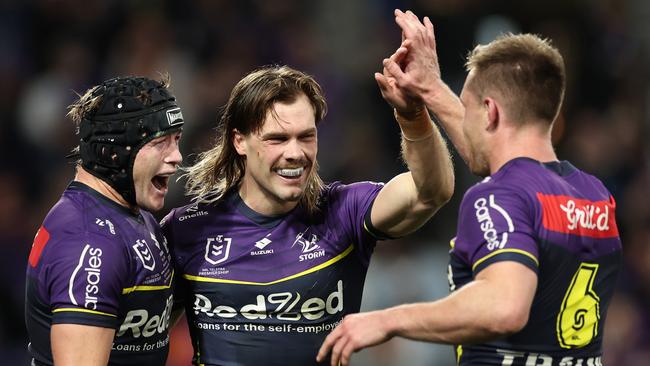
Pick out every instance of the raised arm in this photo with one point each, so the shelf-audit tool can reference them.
(418, 76)
(75, 344)
(410, 199)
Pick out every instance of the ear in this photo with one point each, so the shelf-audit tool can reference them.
(493, 112)
(239, 141)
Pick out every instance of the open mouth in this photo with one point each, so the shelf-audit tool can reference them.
(161, 182)
(290, 173)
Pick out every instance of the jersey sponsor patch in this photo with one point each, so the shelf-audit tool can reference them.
(485, 209)
(580, 217)
(41, 238)
(89, 270)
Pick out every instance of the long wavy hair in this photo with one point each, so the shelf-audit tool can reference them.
(221, 168)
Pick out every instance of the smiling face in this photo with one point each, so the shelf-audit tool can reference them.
(279, 157)
(154, 164)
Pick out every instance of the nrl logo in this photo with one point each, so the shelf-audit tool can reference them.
(217, 249)
(144, 253)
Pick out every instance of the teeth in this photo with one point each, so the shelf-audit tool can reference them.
(290, 172)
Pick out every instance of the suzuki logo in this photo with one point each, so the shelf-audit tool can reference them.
(217, 249)
(263, 243)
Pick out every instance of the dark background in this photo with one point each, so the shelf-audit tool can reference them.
(51, 49)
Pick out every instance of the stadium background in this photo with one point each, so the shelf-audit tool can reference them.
(51, 48)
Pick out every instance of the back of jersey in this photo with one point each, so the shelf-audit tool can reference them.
(560, 222)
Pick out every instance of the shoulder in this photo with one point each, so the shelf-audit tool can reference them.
(338, 190)
(183, 213)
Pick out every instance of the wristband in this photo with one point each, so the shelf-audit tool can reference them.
(417, 129)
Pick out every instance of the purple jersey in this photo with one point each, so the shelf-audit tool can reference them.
(560, 222)
(94, 262)
(265, 290)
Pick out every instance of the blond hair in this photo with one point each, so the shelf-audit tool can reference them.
(221, 168)
(526, 70)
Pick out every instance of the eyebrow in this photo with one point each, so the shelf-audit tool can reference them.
(275, 134)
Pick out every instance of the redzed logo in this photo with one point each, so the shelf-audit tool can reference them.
(577, 216)
(41, 238)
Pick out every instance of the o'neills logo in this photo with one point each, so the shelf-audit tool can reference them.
(581, 217)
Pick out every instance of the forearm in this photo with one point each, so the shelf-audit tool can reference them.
(74, 344)
(427, 157)
(448, 110)
(497, 303)
(410, 199)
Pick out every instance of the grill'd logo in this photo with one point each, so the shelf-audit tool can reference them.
(576, 216)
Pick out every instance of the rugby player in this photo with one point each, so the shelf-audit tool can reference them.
(271, 258)
(537, 251)
(99, 274)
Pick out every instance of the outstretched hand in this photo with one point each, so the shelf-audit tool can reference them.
(414, 66)
(404, 104)
(356, 332)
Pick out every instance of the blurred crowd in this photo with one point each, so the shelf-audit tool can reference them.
(50, 50)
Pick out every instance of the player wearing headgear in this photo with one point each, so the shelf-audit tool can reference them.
(270, 257)
(99, 274)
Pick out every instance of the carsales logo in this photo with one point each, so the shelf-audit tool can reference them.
(490, 233)
(581, 217)
(91, 262)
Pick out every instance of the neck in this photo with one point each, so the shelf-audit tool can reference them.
(263, 202)
(527, 142)
(102, 187)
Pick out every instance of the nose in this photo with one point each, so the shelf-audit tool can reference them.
(294, 150)
(174, 155)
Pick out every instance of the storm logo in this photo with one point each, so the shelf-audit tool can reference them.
(217, 249)
(309, 248)
(486, 224)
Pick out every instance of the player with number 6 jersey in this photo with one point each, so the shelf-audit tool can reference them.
(559, 222)
(537, 252)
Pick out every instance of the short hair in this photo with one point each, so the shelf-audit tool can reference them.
(221, 168)
(526, 70)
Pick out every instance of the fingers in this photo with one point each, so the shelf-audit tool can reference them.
(336, 351)
(394, 70)
(346, 353)
(399, 55)
(431, 36)
(382, 81)
(326, 346)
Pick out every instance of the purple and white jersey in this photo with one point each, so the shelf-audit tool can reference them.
(262, 290)
(94, 262)
(560, 222)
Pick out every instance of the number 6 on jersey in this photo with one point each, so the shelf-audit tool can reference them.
(577, 323)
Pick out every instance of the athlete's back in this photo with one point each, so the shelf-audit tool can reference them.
(560, 222)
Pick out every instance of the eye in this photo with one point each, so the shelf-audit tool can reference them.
(276, 139)
(308, 137)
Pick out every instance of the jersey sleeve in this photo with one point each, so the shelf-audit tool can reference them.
(85, 280)
(496, 224)
(352, 211)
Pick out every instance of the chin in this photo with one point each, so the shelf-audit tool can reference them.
(152, 206)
